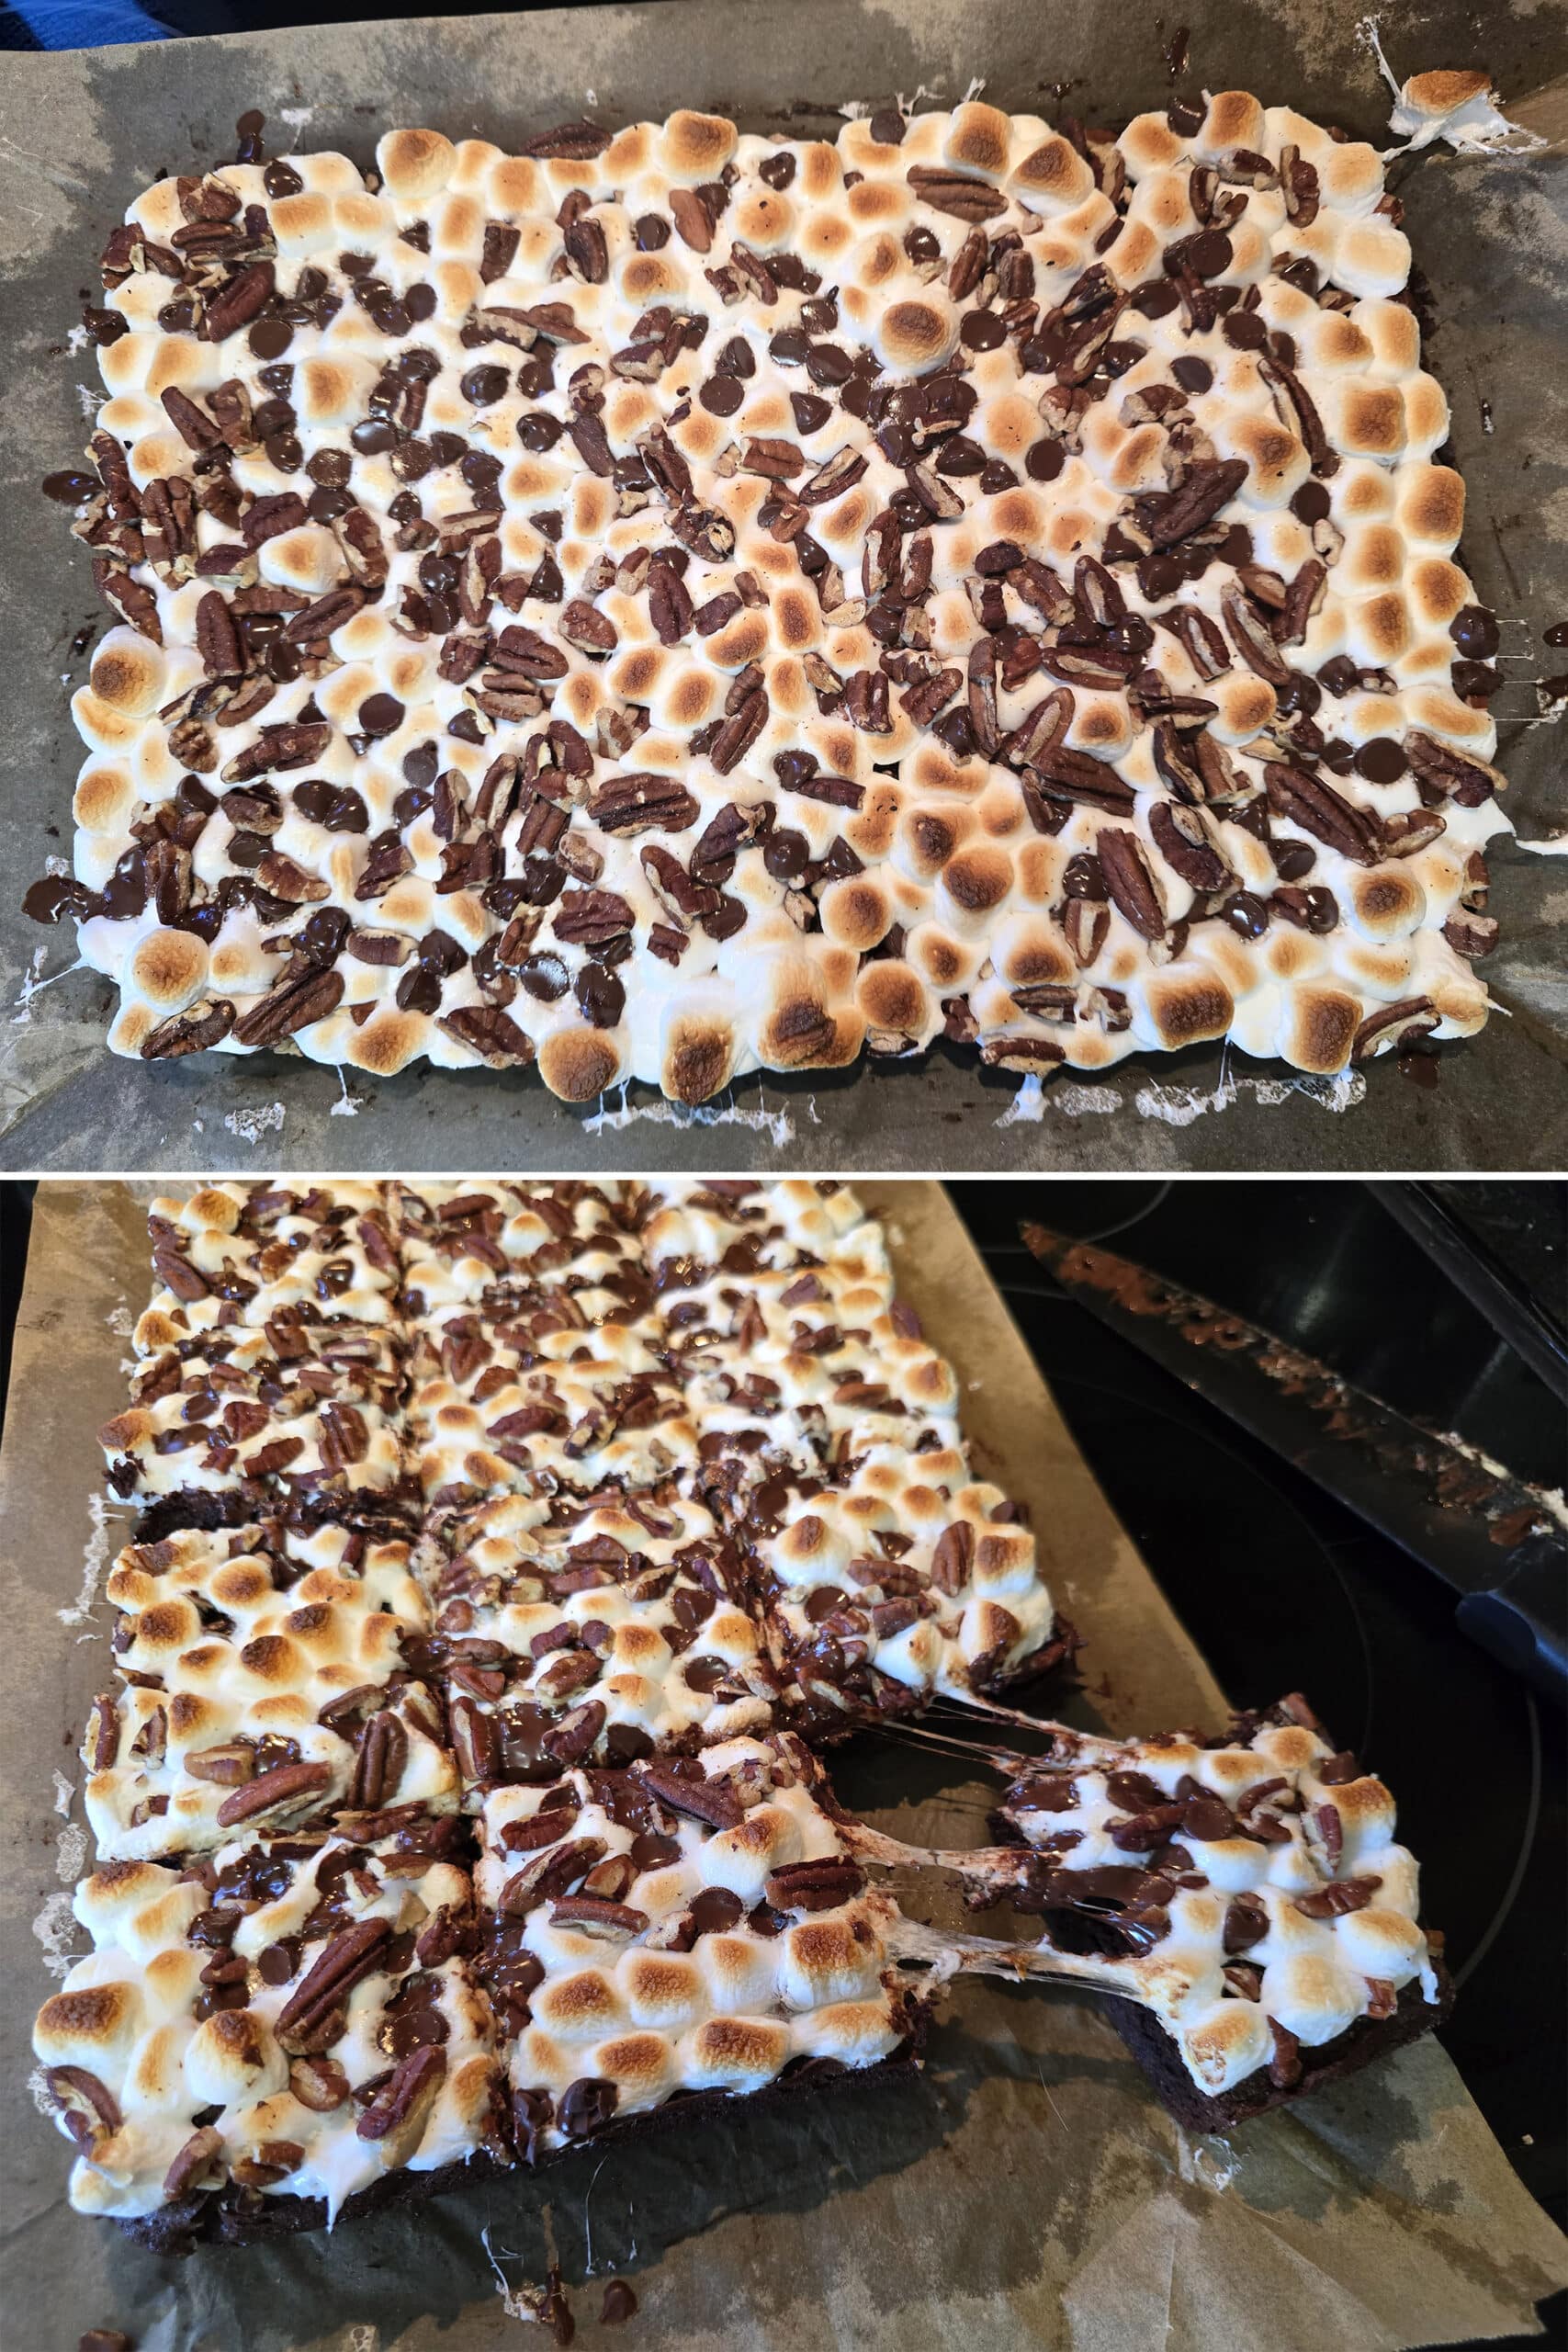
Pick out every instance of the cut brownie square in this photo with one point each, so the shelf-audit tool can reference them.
(822, 1359)
(686, 1924)
(604, 1630)
(691, 1231)
(899, 1577)
(572, 1426)
(1253, 1897)
(292, 1414)
(291, 2020)
(259, 1686)
(237, 1253)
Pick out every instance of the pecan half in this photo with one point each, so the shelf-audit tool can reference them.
(575, 142)
(290, 1005)
(192, 1032)
(490, 1032)
(642, 801)
(1395, 1026)
(286, 1784)
(1338, 1896)
(1166, 518)
(399, 2113)
(714, 1801)
(548, 1875)
(594, 1915)
(1183, 840)
(319, 1997)
(86, 2105)
(198, 2165)
(956, 192)
(1325, 813)
(1129, 880)
(1252, 637)
(814, 1886)
(1447, 774)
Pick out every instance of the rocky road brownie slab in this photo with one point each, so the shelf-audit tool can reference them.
(1250, 1890)
(672, 602)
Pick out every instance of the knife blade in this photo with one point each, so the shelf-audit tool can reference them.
(1498, 1543)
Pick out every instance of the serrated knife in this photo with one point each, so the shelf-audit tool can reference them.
(1496, 1541)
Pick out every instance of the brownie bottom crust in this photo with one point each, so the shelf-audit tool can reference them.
(232, 2217)
(1199, 2110)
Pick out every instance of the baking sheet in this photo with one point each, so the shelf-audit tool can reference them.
(80, 131)
(1025, 2188)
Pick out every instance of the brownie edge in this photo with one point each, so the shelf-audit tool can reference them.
(1364, 2039)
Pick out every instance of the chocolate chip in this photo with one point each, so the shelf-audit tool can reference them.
(1311, 502)
(538, 430)
(330, 468)
(586, 2106)
(827, 363)
(600, 995)
(981, 330)
(1245, 329)
(381, 715)
(482, 385)
(721, 395)
(1381, 761)
(1044, 460)
(1475, 630)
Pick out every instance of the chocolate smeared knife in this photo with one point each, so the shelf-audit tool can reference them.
(1495, 1540)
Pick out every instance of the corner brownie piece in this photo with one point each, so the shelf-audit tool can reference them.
(291, 2018)
(1251, 1895)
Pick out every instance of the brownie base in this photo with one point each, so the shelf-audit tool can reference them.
(228, 2217)
(1199, 2110)
(383, 1514)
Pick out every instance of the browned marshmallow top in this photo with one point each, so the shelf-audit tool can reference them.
(673, 602)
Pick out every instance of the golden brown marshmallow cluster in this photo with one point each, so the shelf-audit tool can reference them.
(673, 603)
(1286, 1911)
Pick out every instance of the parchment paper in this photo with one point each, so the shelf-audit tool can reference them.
(80, 131)
(1025, 2188)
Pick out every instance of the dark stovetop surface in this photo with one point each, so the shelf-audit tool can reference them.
(1284, 1589)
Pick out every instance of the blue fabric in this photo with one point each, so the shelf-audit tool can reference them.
(88, 24)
